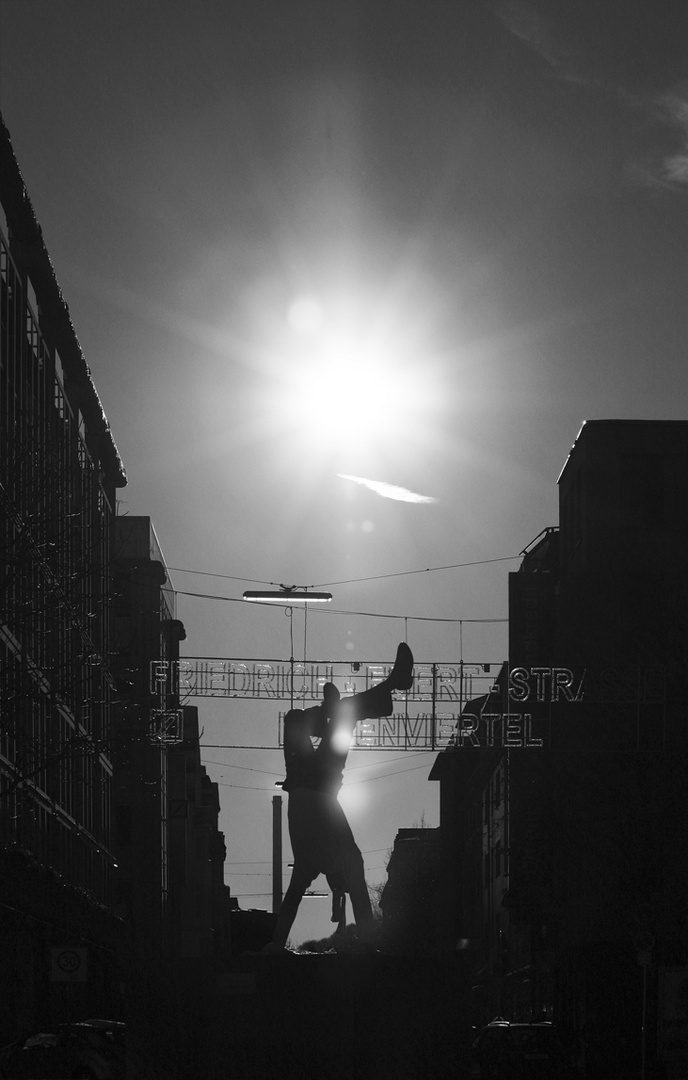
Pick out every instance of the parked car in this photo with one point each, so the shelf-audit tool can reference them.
(506, 1051)
(88, 1050)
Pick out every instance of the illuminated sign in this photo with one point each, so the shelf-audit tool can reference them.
(545, 684)
(461, 705)
(280, 680)
(426, 731)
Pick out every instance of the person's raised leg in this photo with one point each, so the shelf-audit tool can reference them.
(401, 675)
(377, 701)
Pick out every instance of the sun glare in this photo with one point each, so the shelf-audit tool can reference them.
(341, 741)
(353, 798)
(352, 382)
(305, 316)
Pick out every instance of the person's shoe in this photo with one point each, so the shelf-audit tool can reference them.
(330, 698)
(401, 675)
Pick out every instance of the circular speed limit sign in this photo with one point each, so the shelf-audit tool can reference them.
(68, 961)
(69, 965)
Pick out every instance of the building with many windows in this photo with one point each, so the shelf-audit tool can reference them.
(110, 852)
(59, 473)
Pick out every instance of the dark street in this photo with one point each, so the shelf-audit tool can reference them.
(309, 1015)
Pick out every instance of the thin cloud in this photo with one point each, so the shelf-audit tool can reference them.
(540, 34)
(388, 491)
(639, 63)
(675, 108)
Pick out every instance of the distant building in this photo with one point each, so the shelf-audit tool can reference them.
(59, 473)
(409, 898)
(199, 900)
(149, 719)
(566, 863)
(170, 851)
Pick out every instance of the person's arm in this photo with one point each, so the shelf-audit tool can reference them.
(298, 728)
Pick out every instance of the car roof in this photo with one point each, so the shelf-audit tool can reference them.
(520, 1024)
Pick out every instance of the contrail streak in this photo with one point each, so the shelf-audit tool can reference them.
(389, 491)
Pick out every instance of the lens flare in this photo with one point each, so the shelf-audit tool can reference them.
(346, 381)
(305, 316)
(353, 799)
(341, 741)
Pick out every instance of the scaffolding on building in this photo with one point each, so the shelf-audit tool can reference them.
(55, 680)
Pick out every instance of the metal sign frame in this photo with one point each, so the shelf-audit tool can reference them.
(462, 705)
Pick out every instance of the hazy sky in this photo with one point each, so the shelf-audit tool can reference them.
(349, 277)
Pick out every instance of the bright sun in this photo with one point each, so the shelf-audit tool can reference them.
(351, 383)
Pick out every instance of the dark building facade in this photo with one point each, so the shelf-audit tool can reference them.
(149, 717)
(199, 900)
(170, 852)
(409, 898)
(59, 473)
(566, 862)
(110, 851)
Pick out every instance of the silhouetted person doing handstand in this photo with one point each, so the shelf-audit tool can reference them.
(321, 837)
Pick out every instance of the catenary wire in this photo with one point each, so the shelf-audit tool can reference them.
(355, 749)
(408, 573)
(351, 783)
(331, 611)
(350, 581)
(273, 772)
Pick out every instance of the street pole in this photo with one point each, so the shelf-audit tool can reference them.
(276, 854)
(643, 1048)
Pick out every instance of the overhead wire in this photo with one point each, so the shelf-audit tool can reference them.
(271, 772)
(268, 862)
(408, 573)
(336, 611)
(228, 577)
(351, 783)
(348, 581)
(351, 581)
(354, 749)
